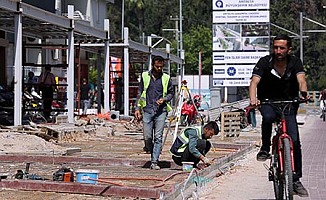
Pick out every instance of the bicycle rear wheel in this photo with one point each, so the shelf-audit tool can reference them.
(288, 173)
(277, 179)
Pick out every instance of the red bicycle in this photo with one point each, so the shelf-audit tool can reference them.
(282, 163)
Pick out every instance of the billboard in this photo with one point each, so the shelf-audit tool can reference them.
(241, 36)
(240, 16)
(240, 4)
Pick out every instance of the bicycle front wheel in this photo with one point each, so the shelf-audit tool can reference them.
(288, 173)
(277, 178)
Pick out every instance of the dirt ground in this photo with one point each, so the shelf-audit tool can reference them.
(13, 142)
(120, 140)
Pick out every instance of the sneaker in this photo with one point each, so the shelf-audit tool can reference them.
(155, 166)
(263, 155)
(299, 189)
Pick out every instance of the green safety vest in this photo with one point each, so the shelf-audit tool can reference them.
(181, 143)
(146, 79)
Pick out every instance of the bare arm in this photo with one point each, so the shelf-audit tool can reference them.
(302, 84)
(320, 95)
(253, 90)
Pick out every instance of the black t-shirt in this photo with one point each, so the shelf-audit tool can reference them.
(274, 87)
(84, 91)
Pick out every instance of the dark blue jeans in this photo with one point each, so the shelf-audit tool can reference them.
(153, 133)
(269, 114)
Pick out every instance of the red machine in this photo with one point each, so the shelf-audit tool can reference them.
(189, 112)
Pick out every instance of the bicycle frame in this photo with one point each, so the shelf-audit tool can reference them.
(280, 135)
(282, 168)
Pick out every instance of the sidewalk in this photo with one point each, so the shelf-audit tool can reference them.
(248, 178)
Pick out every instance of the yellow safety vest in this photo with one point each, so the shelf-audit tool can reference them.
(181, 143)
(146, 79)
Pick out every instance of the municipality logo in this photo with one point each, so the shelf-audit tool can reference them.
(219, 57)
(219, 4)
(231, 71)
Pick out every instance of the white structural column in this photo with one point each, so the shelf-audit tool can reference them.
(149, 43)
(71, 66)
(107, 67)
(18, 67)
(126, 70)
(168, 57)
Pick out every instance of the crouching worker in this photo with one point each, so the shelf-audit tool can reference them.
(192, 144)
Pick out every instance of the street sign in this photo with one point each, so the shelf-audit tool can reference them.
(232, 71)
(237, 57)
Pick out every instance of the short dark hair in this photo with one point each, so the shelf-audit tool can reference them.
(284, 37)
(212, 125)
(157, 58)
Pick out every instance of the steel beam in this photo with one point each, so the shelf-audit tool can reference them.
(9, 5)
(88, 30)
(41, 15)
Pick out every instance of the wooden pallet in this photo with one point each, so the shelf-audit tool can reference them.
(230, 124)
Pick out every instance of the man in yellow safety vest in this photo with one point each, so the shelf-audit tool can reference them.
(154, 92)
(192, 144)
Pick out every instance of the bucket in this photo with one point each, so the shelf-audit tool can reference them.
(82, 175)
(187, 166)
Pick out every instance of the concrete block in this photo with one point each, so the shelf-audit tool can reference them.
(61, 119)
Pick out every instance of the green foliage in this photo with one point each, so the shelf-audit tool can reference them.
(151, 16)
(198, 39)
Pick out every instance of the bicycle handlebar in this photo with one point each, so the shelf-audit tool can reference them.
(295, 100)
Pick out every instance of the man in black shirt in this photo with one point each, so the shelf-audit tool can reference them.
(280, 76)
(85, 90)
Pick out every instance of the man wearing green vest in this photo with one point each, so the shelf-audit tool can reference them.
(154, 92)
(192, 144)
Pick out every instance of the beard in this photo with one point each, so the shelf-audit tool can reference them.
(280, 57)
(157, 71)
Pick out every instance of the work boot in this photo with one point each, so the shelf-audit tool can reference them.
(155, 166)
(299, 189)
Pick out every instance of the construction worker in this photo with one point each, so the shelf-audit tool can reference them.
(192, 144)
(154, 92)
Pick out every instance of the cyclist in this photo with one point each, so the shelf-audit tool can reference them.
(321, 99)
(280, 76)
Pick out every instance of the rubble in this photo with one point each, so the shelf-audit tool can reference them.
(114, 147)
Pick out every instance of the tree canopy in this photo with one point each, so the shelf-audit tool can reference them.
(146, 17)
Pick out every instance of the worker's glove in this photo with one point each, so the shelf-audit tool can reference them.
(206, 161)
